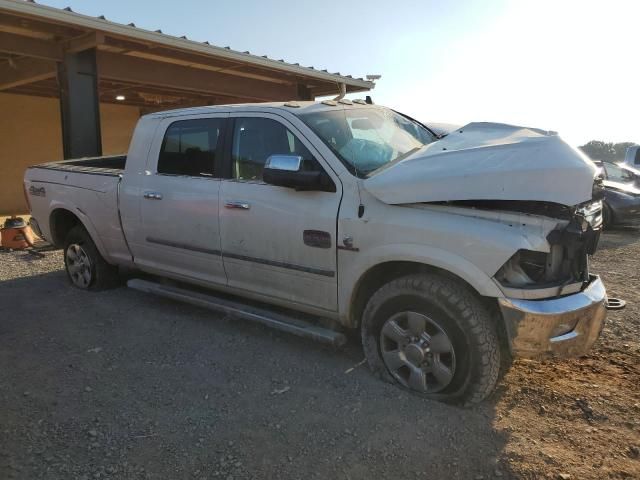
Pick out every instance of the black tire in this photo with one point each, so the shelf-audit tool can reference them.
(452, 309)
(90, 271)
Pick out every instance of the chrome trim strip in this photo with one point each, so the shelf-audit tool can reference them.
(262, 261)
(272, 263)
(184, 246)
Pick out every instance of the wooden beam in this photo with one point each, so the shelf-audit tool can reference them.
(22, 71)
(35, 28)
(131, 69)
(29, 47)
(84, 42)
(186, 59)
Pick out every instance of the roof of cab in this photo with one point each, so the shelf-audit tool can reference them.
(294, 107)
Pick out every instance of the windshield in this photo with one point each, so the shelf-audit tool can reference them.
(368, 138)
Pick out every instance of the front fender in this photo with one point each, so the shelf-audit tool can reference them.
(362, 262)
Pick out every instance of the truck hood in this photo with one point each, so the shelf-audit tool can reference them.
(488, 161)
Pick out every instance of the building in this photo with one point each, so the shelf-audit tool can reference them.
(73, 85)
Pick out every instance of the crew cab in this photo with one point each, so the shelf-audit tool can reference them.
(450, 255)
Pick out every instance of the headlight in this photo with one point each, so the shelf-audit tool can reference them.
(592, 213)
(525, 267)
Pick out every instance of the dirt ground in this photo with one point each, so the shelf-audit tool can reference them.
(123, 385)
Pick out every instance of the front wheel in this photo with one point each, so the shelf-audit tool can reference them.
(432, 335)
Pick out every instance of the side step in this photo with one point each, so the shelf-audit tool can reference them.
(240, 310)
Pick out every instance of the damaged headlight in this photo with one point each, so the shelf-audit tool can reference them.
(567, 261)
(527, 268)
(592, 214)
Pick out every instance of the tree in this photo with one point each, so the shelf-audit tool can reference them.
(606, 151)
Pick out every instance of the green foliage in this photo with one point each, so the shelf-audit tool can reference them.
(606, 151)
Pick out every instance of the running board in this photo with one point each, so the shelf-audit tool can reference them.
(275, 320)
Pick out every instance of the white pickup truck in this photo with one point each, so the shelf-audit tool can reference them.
(450, 254)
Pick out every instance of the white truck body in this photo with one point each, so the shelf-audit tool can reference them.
(464, 204)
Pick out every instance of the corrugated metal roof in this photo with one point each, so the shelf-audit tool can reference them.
(100, 23)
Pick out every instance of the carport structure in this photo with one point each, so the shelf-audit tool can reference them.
(73, 85)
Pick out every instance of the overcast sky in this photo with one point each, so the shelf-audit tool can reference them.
(563, 65)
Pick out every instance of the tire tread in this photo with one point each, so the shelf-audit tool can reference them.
(473, 317)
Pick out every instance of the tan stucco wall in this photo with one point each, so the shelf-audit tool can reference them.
(30, 133)
(117, 123)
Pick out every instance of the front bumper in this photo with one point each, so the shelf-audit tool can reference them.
(533, 326)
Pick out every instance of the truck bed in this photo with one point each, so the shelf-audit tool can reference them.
(87, 188)
(106, 165)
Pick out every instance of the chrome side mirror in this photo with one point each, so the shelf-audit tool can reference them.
(287, 171)
(286, 163)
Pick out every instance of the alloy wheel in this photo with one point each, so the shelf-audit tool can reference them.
(417, 352)
(78, 265)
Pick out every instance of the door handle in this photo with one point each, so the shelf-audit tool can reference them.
(237, 205)
(153, 195)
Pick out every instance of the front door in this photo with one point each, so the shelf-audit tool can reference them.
(179, 208)
(277, 241)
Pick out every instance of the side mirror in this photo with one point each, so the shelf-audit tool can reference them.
(287, 171)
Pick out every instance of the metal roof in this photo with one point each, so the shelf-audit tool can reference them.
(100, 23)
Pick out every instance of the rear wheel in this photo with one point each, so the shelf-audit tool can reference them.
(86, 269)
(432, 335)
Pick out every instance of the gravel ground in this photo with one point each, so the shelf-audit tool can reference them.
(123, 385)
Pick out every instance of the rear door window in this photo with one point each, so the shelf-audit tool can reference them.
(189, 148)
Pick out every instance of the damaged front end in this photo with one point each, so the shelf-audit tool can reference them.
(564, 269)
(553, 305)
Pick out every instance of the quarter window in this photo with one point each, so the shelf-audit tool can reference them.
(256, 139)
(189, 147)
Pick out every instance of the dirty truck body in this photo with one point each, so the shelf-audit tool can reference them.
(451, 255)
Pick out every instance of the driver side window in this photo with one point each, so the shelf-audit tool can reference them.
(256, 139)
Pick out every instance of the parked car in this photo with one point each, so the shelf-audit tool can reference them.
(449, 255)
(621, 203)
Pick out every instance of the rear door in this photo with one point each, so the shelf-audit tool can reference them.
(276, 241)
(180, 199)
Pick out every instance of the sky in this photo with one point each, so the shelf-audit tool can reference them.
(562, 65)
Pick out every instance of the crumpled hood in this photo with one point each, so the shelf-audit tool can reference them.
(488, 161)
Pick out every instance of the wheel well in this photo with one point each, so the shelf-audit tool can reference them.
(383, 273)
(61, 222)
